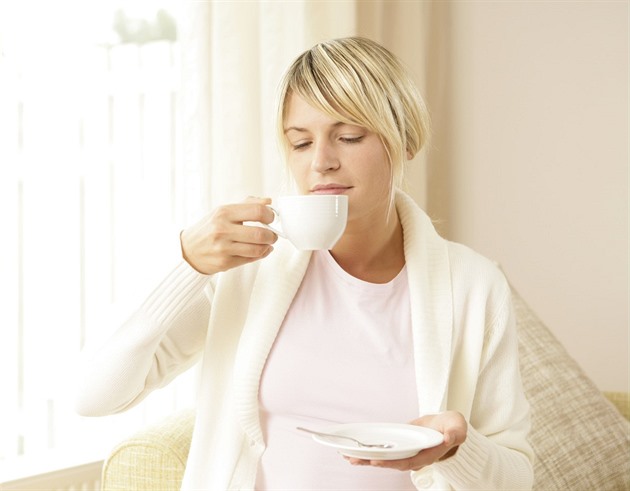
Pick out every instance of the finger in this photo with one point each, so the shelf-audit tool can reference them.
(234, 258)
(418, 461)
(257, 199)
(355, 461)
(252, 211)
(399, 465)
(249, 234)
(231, 240)
(253, 251)
(264, 202)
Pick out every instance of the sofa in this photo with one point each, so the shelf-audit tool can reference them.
(581, 437)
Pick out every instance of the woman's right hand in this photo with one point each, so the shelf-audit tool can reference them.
(220, 241)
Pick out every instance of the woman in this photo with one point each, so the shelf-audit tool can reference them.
(393, 324)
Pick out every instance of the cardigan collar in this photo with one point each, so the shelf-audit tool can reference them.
(276, 284)
(279, 278)
(431, 294)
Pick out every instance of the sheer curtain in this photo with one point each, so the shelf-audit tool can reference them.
(237, 52)
(90, 188)
(109, 164)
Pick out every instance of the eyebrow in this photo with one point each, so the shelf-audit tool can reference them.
(303, 130)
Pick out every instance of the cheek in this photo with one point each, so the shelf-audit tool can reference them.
(380, 173)
(299, 174)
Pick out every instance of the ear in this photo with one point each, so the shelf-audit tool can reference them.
(409, 155)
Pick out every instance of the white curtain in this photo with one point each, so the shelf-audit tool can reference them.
(235, 57)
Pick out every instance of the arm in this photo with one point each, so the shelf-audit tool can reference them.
(496, 453)
(159, 341)
(489, 450)
(166, 334)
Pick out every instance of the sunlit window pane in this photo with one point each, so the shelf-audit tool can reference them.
(91, 182)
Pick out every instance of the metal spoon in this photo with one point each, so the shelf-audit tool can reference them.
(361, 444)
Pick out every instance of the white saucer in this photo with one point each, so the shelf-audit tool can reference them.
(406, 440)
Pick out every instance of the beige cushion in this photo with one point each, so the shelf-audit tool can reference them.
(580, 440)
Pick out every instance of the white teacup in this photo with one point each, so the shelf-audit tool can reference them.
(311, 222)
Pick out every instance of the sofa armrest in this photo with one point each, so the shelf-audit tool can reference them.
(621, 400)
(152, 459)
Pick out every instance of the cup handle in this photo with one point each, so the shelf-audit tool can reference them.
(273, 229)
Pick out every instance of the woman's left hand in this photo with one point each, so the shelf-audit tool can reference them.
(451, 424)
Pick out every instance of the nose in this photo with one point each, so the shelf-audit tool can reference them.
(325, 158)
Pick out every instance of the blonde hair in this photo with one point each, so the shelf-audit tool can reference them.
(357, 81)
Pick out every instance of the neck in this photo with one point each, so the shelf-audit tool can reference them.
(372, 251)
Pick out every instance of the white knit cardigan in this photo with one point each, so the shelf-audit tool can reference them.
(465, 350)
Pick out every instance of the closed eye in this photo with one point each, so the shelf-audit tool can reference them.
(353, 139)
(300, 145)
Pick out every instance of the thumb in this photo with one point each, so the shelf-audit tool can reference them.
(454, 436)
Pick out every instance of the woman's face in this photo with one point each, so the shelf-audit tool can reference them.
(327, 156)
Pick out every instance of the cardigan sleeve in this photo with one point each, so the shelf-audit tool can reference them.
(162, 338)
(496, 453)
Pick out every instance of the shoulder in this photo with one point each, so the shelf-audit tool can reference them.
(473, 272)
(480, 289)
(468, 264)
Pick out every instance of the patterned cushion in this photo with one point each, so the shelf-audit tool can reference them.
(580, 440)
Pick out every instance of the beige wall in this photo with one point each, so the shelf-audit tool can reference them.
(529, 165)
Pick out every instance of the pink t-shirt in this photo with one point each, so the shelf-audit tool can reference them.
(343, 355)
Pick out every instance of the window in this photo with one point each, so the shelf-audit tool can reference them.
(91, 181)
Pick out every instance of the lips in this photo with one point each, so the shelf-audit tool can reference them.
(332, 188)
